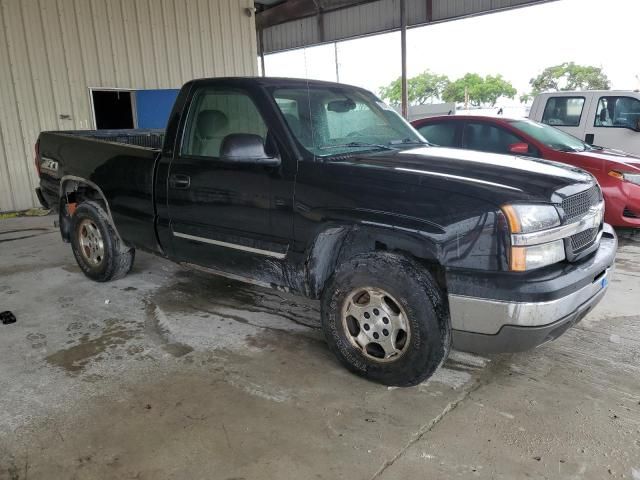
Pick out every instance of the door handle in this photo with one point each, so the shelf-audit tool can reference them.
(179, 181)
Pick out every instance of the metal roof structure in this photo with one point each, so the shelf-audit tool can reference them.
(290, 24)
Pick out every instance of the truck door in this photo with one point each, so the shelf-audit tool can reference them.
(220, 212)
(614, 123)
(568, 113)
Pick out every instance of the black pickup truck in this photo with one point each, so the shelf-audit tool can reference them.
(323, 190)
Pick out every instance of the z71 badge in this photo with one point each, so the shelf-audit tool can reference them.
(49, 165)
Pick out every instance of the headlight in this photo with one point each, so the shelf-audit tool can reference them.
(626, 176)
(531, 218)
(524, 219)
(536, 256)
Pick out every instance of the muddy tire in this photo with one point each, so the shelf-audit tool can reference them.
(96, 246)
(384, 317)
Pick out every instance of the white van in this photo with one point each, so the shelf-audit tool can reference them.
(606, 118)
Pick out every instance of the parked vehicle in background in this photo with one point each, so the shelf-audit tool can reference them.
(323, 190)
(606, 118)
(617, 172)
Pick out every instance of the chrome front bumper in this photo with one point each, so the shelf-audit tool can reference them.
(513, 338)
(483, 324)
(486, 316)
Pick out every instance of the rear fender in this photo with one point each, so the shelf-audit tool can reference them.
(69, 198)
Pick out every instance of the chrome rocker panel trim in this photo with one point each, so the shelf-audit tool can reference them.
(235, 246)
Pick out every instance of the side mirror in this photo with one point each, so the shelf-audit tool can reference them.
(519, 148)
(246, 148)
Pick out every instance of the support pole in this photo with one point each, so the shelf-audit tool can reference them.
(403, 54)
(261, 46)
(335, 56)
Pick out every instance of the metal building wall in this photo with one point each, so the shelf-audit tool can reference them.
(52, 51)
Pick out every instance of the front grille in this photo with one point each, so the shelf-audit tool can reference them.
(578, 205)
(583, 239)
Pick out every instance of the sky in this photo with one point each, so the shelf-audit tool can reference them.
(518, 44)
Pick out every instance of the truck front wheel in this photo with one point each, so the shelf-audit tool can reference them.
(384, 318)
(96, 245)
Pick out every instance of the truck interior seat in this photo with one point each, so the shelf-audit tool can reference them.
(211, 127)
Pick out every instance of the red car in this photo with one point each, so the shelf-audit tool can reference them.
(617, 172)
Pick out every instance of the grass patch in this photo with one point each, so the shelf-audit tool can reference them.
(32, 212)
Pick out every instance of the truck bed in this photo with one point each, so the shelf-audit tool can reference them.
(147, 138)
(120, 162)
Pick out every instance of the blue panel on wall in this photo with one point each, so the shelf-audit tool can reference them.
(153, 107)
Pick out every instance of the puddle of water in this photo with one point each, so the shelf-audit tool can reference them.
(75, 358)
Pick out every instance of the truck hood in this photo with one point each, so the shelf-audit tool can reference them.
(492, 177)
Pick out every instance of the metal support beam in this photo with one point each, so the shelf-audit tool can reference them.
(320, 17)
(335, 56)
(403, 55)
(261, 51)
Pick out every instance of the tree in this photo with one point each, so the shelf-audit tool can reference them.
(494, 88)
(426, 87)
(526, 98)
(479, 90)
(570, 76)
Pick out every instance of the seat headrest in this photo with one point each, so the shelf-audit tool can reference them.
(210, 122)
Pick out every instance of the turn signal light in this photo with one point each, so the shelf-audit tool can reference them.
(518, 260)
(512, 218)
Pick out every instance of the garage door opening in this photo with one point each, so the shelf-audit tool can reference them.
(113, 109)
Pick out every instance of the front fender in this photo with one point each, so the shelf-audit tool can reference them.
(476, 243)
(336, 244)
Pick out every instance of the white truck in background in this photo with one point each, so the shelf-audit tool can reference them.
(607, 118)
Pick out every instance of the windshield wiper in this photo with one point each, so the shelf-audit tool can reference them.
(408, 141)
(356, 145)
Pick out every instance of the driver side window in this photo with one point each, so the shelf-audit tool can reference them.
(216, 113)
(620, 112)
(488, 138)
(440, 134)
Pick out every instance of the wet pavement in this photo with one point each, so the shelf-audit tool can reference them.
(170, 373)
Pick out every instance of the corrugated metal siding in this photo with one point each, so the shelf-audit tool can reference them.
(52, 51)
(374, 17)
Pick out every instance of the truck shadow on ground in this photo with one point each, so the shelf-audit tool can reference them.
(197, 292)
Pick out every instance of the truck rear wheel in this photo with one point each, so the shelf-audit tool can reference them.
(96, 246)
(384, 318)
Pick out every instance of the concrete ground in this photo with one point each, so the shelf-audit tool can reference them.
(171, 374)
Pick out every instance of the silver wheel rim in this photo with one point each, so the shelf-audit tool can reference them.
(90, 241)
(376, 324)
